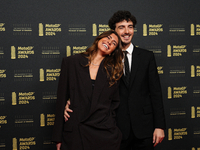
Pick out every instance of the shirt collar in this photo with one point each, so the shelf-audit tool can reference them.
(130, 49)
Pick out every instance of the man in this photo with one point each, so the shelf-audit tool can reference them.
(140, 115)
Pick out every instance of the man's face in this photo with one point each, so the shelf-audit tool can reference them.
(125, 30)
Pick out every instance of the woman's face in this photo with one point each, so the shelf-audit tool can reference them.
(108, 44)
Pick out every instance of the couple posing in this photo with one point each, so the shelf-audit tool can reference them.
(115, 97)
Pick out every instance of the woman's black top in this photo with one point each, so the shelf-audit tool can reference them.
(93, 83)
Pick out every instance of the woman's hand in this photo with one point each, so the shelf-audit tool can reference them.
(58, 146)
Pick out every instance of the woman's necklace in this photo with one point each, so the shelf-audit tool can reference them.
(94, 64)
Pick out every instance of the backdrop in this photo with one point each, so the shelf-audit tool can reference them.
(36, 34)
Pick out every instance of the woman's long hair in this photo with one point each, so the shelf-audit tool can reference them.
(113, 62)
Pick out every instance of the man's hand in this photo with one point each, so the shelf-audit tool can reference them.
(158, 136)
(66, 115)
(58, 146)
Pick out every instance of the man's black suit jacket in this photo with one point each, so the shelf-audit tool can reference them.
(141, 106)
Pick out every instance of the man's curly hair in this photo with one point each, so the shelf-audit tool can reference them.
(120, 16)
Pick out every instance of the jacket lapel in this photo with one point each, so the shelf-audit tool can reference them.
(100, 82)
(124, 80)
(85, 77)
(135, 64)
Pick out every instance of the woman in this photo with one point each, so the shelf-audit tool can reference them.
(89, 80)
